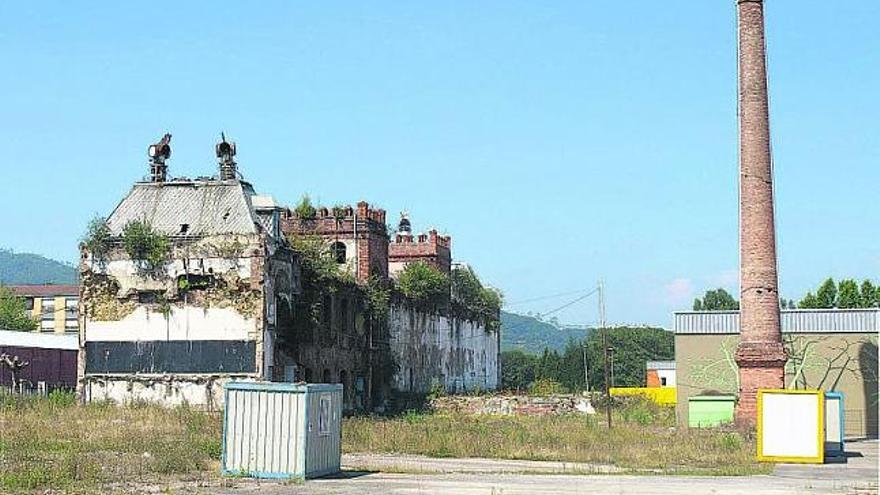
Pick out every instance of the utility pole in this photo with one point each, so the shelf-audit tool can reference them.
(586, 368)
(611, 367)
(604, 350)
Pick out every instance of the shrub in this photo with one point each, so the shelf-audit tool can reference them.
(141, 242)
(305, 210)
(479, 302)
(423, 283)
(61, 398)
(97, 239)
(545, 386)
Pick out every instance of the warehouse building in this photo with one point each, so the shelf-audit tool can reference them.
(828, 349)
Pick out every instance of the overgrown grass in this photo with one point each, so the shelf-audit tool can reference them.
(643, 440)
(52, 443)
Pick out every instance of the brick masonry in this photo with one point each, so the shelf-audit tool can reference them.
(760, 355)
(371, 233)
(430, 248)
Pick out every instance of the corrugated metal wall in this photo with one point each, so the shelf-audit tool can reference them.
(262, 431)
(280, 430)
(793, 321)
(324, 448)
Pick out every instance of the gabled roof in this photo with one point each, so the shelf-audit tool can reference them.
(206, 207)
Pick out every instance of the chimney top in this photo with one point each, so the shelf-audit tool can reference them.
(225, 153)
(158, 153)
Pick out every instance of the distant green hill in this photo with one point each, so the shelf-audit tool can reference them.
(27, 268)
(532, 335)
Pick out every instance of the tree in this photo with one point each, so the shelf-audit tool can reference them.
(13, 312)
(870, 295)
(517, 370)
(826, 295)
(848, 294)
(716, 300)
(423, 283)
(633, 348)
(809, 302)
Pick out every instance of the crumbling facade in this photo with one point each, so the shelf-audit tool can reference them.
(191, 283)
(180, 288)
(407, 348)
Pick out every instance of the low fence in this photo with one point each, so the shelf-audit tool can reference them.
(665, 396)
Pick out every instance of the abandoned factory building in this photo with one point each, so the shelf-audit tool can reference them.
(190, 283)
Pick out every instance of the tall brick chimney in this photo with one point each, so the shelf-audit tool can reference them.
(760, 355)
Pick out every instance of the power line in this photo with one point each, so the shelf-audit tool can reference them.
(560, 308)
(542, 298)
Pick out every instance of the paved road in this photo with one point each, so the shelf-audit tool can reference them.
(858, 476)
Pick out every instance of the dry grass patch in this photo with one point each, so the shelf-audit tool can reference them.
(55, 444)
(632, 445)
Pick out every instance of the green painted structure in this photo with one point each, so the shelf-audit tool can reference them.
(710, 410)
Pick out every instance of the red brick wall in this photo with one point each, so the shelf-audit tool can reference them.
(372, 234)
(430, 248)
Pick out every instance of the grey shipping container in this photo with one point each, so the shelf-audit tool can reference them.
(282, 430)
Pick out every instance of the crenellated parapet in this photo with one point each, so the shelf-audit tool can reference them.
(430, 247)
(357, 236)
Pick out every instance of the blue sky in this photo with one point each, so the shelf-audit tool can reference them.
(557, 142)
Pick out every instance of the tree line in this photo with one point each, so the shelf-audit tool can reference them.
(632, 348)
(847, 294)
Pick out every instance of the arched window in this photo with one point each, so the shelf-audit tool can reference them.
(337, 250)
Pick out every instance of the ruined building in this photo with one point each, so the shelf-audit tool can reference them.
(430, 248)
(181, 286)
(400, 348)
(190, 283)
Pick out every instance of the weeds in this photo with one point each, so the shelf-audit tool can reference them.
(641, 441)
(52, 443)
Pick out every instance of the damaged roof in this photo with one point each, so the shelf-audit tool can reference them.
(194, 208)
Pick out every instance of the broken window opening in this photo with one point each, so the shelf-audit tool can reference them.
(149, 296)
(337, 250)
(190, 282)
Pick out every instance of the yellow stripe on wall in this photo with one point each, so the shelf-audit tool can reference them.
(665, 396)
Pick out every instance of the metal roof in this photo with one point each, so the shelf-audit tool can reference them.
(207, 207)
(11, 338)
(792, 321)
(660, 365)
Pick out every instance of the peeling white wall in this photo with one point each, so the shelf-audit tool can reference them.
(186, 323)
(129, 277)
(168, 390)
(431, 349)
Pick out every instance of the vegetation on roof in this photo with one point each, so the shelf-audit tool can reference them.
(144, 243)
